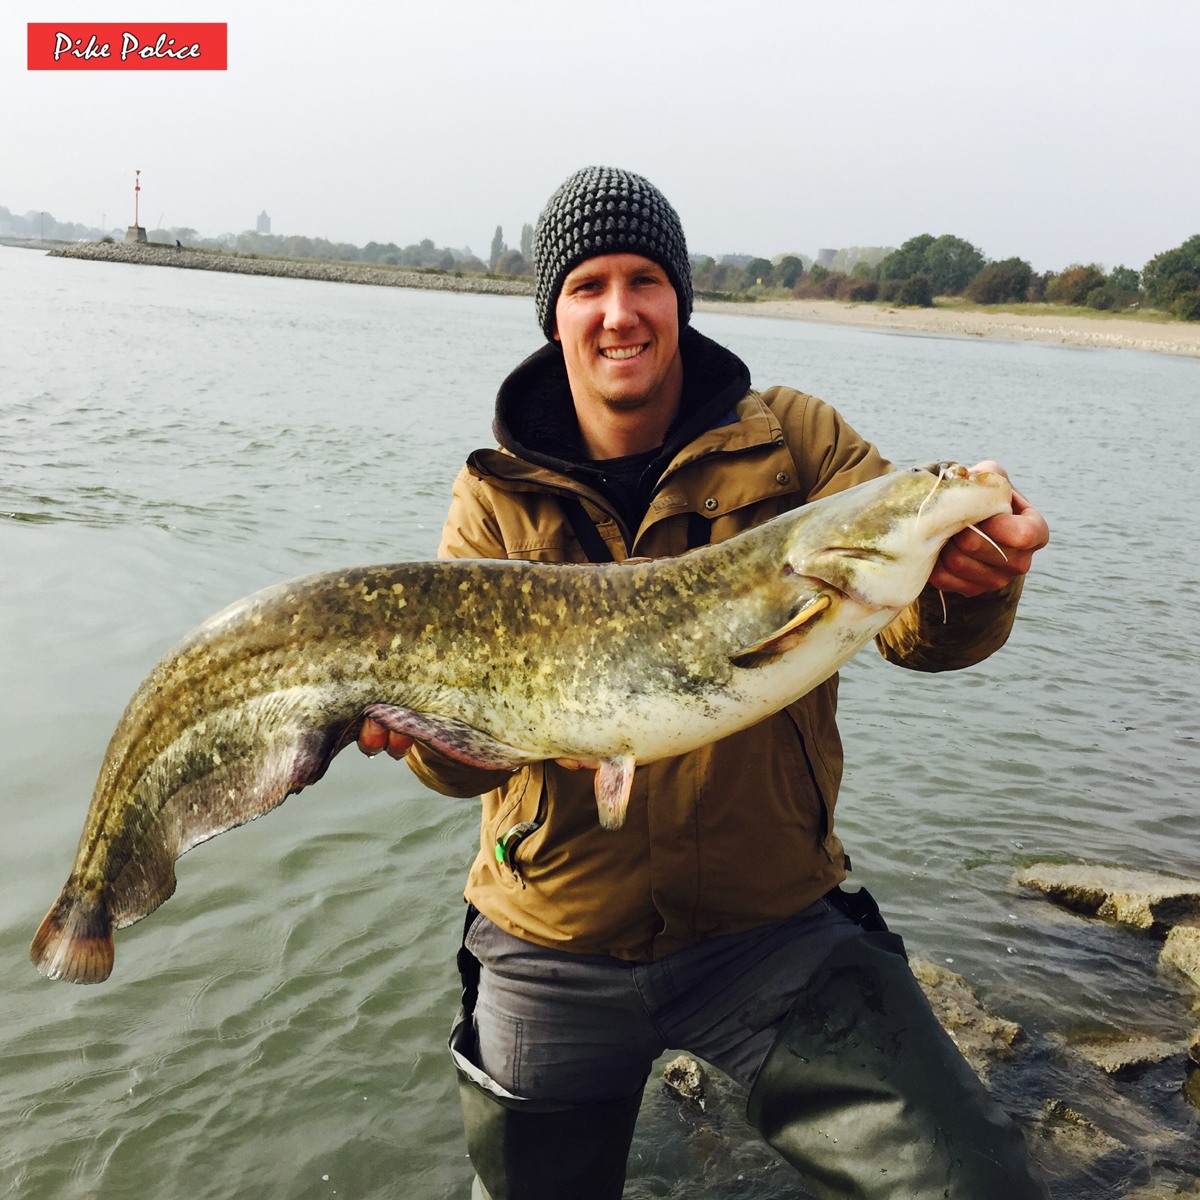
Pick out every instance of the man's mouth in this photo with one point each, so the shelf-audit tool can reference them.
(621, 352)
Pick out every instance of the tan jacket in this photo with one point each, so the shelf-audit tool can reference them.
(732, 835)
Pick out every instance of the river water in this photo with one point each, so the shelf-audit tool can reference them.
(171, 440)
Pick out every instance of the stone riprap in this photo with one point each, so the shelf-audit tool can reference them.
(158, 255)
(1125, 1056)
(1142, 899)
(1182, 951)
(981, 1037)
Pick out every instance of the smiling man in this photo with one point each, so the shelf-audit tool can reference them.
(617, 320)
(713, 920)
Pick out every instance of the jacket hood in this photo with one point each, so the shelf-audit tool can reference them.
(535, 415)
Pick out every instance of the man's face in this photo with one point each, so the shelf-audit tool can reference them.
(617, 318)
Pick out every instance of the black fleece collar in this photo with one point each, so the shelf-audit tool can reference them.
(535, 415)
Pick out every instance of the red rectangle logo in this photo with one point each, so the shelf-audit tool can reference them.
(92, 46)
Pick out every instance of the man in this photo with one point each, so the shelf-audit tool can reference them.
(713, 921)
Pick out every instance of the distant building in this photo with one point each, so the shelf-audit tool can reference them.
(825, 258)
(264, 223)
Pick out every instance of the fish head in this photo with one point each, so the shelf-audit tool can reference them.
(877, 543)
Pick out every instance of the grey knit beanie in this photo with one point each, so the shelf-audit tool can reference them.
(604, 210)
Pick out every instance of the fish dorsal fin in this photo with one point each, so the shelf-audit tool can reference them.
(614, 779)
(456, 739)
(785, 638)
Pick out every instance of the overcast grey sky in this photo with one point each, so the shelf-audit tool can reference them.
(1059, 131)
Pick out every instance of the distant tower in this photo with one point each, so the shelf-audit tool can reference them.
(825, 258)
(135, 232)
(264, 223)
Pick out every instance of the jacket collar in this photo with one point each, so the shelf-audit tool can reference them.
(535, 416)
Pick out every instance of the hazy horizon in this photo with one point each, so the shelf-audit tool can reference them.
(1057, 133)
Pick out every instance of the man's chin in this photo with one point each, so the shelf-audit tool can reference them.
(627, 401)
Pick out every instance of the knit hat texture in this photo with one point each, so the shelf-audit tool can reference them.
(604, 210)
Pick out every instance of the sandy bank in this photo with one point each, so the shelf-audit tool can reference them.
(1093, 330)
(1113, 332)
(288, 268)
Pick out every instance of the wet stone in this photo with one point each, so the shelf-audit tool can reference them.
(980, 1036)
(1182, 951)
(1142, 899)
(1127, 1056)
(685, 1078)
(1071, 1135)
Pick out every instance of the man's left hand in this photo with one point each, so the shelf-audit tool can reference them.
(970, 565)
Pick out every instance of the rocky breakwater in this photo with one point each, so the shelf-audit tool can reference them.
(1106, 1114)
(1135, 1093)
(157, 255)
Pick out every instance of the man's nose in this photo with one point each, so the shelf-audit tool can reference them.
(620, 312)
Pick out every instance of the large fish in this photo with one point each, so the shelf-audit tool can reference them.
(497, 664)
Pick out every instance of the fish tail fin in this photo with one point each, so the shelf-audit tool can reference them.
(74, 942)
(614, 779)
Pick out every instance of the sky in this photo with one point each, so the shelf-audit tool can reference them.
(1062, 131)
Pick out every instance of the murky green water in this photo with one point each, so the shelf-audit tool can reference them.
(172, 440)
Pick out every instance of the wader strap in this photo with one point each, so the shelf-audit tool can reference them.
(699, 531)
(468, 966)
(586, 533)
(860, 907)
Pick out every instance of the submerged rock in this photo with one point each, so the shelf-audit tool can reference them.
(1128, 1055)
(685, 1078)
(1182, 950)
(980, 1036)
(1072, 1135)
(1143, 899)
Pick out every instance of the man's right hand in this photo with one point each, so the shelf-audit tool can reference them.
(373, 737)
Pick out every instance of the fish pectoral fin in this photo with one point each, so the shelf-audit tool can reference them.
(614, 779)
(785, 638)
(456, 739)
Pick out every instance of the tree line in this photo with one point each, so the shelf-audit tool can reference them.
(922, 268)
(926, 266)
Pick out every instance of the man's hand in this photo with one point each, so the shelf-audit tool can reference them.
(970, 565)
(373, 737)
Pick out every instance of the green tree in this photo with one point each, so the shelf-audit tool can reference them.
(1075, 284)
(909, 260)
(951, 263)
(1001, 282)
(916, 291)
(1124, 279)
(527, 243)
(1172, 279)
(510, 262)
(789, 270)
(758, 270)
(498, 248)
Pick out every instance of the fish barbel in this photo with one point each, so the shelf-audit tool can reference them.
(497, 664)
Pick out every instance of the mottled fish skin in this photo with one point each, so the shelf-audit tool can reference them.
(497, 663)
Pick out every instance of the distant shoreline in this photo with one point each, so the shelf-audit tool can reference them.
(1095, 330)
(157, 255)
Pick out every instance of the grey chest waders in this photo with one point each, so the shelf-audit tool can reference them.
(528, 1149)
(866, 1095)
